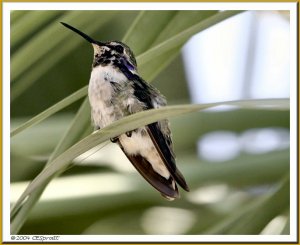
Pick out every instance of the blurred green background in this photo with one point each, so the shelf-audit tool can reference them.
(102, 193)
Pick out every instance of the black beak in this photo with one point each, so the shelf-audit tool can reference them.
(86, 37)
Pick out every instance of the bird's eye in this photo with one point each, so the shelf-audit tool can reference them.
(119, 49)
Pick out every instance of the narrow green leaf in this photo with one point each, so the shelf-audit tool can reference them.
(51, 110)
(242, 171)
(183, 36)
(235, 121)
(17, 15)
(33, 21)
(54, 50)
(144, 21)
(254, 217)
(259, 169)
(152, 68)
(182, 21)
(126, 124)
(74, 133)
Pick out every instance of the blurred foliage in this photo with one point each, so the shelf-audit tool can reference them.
(101, 194)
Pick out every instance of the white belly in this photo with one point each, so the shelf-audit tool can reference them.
(101, 93)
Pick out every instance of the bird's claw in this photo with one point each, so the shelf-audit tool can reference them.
(114, 139)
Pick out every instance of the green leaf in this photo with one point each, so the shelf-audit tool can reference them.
(180, 38)
(255, 216)
(76, 130)
(22, 31)
(17, 15)
(43, 57)
(268, 168)
(126, 124)
(178, 27)
(152, 68)
(144, 21)
(51, 110)
(182, 21)
(243, 171)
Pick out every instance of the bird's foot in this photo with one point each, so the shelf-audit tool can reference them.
(128, 133)
(114, 139)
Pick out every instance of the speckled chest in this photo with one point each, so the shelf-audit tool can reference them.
(103, 95)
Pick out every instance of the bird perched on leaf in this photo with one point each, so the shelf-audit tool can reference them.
(115, 91)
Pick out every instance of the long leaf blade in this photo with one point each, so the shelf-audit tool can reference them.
(51, 110)
(130, 123)
(183, 36)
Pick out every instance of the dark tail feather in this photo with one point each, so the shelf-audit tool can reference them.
(180, 180)
(167, 188)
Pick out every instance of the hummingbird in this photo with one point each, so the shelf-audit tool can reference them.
(117, 90)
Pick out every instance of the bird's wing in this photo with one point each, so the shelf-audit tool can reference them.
(160, 135)
(163, 145)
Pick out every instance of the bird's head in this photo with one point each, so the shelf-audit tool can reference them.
(113, 53)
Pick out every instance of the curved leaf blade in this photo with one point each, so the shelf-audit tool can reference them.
(51, 110)
(130, 123)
